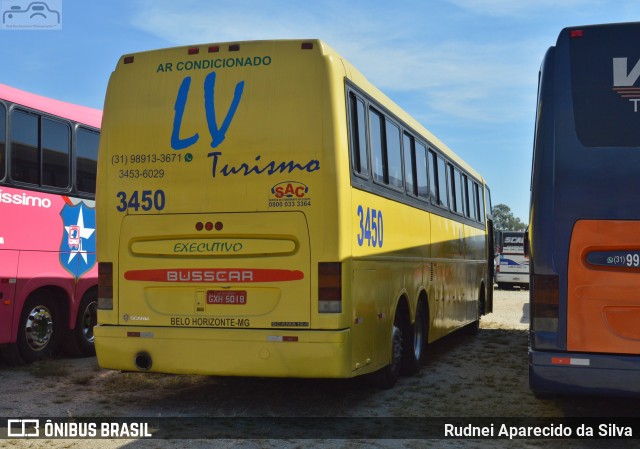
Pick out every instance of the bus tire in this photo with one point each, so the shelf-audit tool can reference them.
(79, 341)
(39, 328)
(416, 342)
(388, 376)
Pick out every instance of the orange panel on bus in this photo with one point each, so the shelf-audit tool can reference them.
(603, 310)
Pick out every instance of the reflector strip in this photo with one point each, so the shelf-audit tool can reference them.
(140, 334)
(278, 338)
(570, 361)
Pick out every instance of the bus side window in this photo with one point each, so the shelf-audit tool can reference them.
(408, 144)
(443, 196)
(56, 151)
(422, 182)
(394, 155)
(3, 140)
(86, 159)
(25, 158)
(433, 187)
(360, 158)
(473, 208)
(375, 126)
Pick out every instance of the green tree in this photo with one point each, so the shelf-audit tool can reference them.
(504, 219)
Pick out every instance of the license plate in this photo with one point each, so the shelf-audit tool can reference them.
(226, 297)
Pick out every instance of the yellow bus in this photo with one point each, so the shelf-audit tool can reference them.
(263, 210)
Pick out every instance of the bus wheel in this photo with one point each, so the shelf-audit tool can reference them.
(388, 376)
(39, 328)
(79, 342)
(415, 348)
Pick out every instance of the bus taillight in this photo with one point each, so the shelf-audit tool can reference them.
(329, 287)
(545, 302)
(105, 285)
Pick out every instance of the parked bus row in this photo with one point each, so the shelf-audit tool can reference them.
(266, 204)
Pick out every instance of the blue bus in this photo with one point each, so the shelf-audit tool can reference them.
(584, 228)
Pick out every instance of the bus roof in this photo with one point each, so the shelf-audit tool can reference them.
(81, 114)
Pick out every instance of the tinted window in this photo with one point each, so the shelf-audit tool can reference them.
(56, 148)
(359, 136)
(457, 190)
(375, 124)
(25, 160)
(409, 164)
(421, 170)
(605, 75)
(473, 211)
(86, 159)
(443, 198)
(3, 140)
(394, 155)
(433, 178)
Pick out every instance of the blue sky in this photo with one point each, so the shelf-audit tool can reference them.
(466, 69)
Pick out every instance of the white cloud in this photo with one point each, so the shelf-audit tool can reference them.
(521, 8)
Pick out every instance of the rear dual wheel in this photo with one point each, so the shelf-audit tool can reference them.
(408, 345)
(38, 332)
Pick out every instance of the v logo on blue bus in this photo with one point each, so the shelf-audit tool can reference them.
(217, 134)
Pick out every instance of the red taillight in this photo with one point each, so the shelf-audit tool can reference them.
(193, 50)
(329, 287)
(545, 300)
(199, 226)
(105, 285)
(214, 49)
(128, 59)
(234, 47)
(576, 33)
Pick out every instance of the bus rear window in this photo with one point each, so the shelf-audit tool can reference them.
(605, 78)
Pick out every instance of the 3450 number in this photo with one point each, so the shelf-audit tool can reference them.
(371, 227)
(145, 200)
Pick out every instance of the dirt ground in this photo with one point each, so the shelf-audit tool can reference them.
(466, 376)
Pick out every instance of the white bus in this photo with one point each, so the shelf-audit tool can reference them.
(512, 267)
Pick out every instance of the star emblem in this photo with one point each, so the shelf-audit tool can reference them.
(77, 233)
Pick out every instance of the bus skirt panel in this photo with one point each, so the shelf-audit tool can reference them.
(225, 352)
(584, 373)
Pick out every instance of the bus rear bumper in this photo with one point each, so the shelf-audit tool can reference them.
(225, 352)
(584, 373)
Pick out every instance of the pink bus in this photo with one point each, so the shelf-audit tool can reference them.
(48, 273)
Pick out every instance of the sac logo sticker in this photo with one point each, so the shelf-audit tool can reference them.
(289, 189)
(289, 194)
(78, 245)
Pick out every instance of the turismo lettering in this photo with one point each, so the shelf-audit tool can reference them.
(258, 168)
(220, 63)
